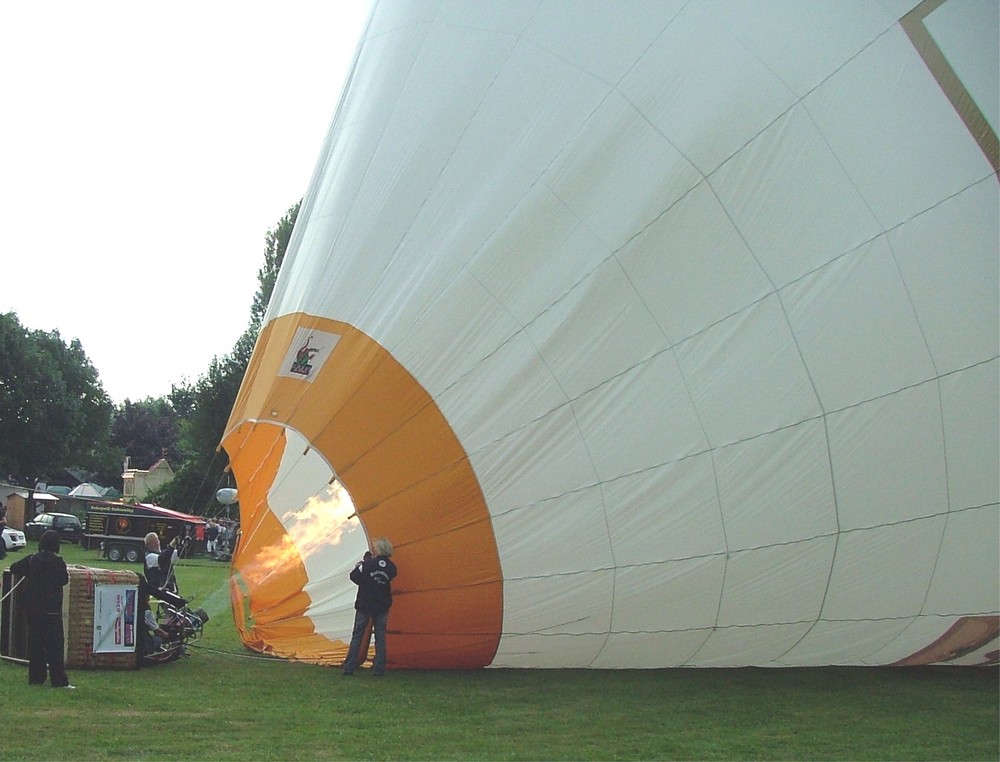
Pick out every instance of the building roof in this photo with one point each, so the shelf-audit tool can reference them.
(87, 489)
(40, 496)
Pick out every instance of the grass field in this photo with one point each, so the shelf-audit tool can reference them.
(222, 702)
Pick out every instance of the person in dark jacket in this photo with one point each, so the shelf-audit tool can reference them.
(45, 575)
(373, 577)
(212, 530)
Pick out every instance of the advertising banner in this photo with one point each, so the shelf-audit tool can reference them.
(115, 618)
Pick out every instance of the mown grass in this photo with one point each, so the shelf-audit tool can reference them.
(223, 702)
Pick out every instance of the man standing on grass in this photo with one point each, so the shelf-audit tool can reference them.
(212, 530)
(373, 577)
(45, 575)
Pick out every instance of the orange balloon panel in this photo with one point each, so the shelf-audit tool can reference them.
(385, 440)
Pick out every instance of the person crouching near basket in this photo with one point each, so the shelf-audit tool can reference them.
(373, 577)
(45, 576)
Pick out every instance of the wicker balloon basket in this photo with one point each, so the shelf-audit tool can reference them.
(78, 619)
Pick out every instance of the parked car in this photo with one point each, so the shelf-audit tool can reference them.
(67, 525)
(13, 538)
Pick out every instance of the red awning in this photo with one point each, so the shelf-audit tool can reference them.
(171, 513)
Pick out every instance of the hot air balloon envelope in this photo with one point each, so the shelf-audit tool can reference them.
(652, 334)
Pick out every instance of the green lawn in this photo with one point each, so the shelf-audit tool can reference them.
(223, 702)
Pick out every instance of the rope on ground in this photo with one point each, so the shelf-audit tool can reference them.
(232, 654)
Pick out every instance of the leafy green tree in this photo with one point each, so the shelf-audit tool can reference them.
(274, 254)
(146, 431)
(54, 411)
(204, 406)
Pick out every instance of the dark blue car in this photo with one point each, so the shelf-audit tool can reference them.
(68, 526)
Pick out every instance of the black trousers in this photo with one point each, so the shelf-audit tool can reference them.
(46, 647)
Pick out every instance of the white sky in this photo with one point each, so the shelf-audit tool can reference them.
(146, 148)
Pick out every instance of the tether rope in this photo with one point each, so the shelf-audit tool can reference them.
(16, 584)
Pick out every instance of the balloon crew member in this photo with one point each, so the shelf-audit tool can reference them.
(45, 576)
(159, 564)
(366, 639)
(374, 580)
(212, 530)
(154, 634)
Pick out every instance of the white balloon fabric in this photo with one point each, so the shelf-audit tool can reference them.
(653, 334)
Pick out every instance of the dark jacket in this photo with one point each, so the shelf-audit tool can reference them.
(45, 576)
(374, 580)
(157, 567)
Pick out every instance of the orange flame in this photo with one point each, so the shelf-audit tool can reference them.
(318, 524)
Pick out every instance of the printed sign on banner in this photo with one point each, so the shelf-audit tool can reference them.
(115, 618)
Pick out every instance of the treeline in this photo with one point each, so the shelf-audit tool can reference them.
(55, 415)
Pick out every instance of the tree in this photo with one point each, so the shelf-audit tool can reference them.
(146, 431)
(54, 411)
(274, 254)
(205, 405)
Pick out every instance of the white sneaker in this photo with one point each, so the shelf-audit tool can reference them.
(70, 687)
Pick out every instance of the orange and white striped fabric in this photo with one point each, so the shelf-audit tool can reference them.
(652, 334)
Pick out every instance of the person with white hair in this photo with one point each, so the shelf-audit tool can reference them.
(373, 576)
(159, 564)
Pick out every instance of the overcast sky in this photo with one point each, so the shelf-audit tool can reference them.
(146, 148)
